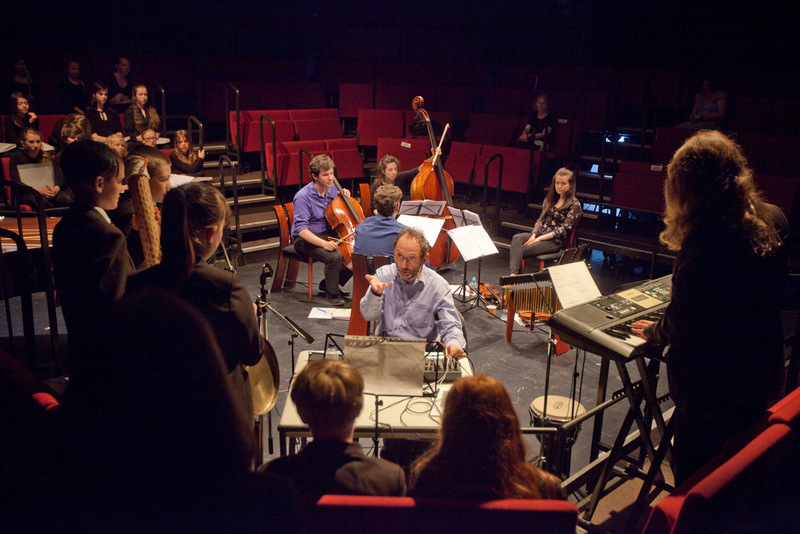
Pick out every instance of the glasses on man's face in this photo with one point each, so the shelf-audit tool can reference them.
(401, 260)
(149, 138)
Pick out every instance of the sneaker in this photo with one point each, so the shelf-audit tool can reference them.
(335, 300)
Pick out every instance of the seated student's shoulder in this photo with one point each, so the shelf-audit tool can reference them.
(372, 476)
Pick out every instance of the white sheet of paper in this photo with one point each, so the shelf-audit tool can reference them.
(38, 175)
(473, 242)
(391, 366)
(430, 227)
(574, 284)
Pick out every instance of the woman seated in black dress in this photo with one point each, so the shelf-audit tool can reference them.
(479, 453)
(20, 117)
(183, 158)
(104, 121)
(140, 115)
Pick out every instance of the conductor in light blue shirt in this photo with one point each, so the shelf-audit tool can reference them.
(409, 300)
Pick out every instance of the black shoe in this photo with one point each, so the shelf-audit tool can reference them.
(335, 300)
(323, 288)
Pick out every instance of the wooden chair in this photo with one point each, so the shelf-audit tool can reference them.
(366, 199)
(289, 260)
(361, 266)
(557, 256)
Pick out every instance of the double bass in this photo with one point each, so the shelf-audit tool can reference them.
(434, 183)
(344, 214)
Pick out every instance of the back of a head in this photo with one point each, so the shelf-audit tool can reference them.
(386, 199)
(153, 156)
(329, 394)
(83, 161)
(478, 410)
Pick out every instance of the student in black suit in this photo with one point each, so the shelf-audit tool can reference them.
(90, 256)
(329, 395)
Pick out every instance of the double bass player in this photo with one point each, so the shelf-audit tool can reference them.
(311, 233)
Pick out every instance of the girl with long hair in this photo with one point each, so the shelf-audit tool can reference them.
(105, 122)
(184, 159)
(479, 452)
(140, 115)
(20, 117)
(560, 211)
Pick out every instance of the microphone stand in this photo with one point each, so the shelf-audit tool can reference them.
(262, 305)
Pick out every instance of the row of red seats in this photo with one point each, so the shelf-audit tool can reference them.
(290, 125)
(750, 487)
(291, 164)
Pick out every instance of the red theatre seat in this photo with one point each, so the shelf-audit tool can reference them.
(410, 152)
(376, 123)
(348, 160)
(315, 113)
(318, 129)
(355, 96)
(461, 161)
(46, 123)
(639, 186)
(516, 167)
(292, 171)
(357, 514)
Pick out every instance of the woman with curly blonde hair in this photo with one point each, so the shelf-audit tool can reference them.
(723, 323)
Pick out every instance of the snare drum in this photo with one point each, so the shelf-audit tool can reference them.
(560, 410)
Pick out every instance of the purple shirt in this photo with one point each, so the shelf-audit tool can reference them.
(309, 209)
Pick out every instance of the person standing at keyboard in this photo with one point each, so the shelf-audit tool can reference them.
(723, 324)
(407, 299)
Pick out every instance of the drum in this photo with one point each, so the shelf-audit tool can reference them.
(560, 410)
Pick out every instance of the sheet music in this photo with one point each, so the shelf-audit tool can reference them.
(430, 227)
(573, 283)
(422, 207)
(464, 217)
(389, 365)
(38, 175)
(473, 241)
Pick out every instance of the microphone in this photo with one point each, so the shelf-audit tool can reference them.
(266, 274)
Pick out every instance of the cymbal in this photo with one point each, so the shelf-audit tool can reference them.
(265, 378)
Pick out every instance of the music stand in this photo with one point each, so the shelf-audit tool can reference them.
(474, 243)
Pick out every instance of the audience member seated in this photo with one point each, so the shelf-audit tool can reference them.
(22, 83)
(90, 258)
(409, 300)
(184, 159)
(71, 128)
(154, 440)
(20, 117)
(30, 151)
(388, 172)
(140, 115)
(117, 143)
(311, 232)
(154, 164)
(193, 219)
(104, 121)
(709, 110)
(71, 90)
(376, 235)
(538, 130)
(560, 210)
(119, 85)
(149, 138)
(329, 395)
(479, 453)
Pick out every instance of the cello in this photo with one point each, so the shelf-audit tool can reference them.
(344, 214)
(434, 183)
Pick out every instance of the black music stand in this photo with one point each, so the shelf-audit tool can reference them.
(467, 219)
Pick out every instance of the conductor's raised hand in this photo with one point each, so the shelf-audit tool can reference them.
(378, 286)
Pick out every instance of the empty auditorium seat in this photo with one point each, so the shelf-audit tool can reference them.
(461, 161)
(493, 129)
(358, 513)
(639, 186)
(290, 169)
(376, 123)
(46, 123)
(516, 167)
(318, 129)
(348, 160)
(313, 113)
(410, 152)
(355, 96)
(667, 141)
